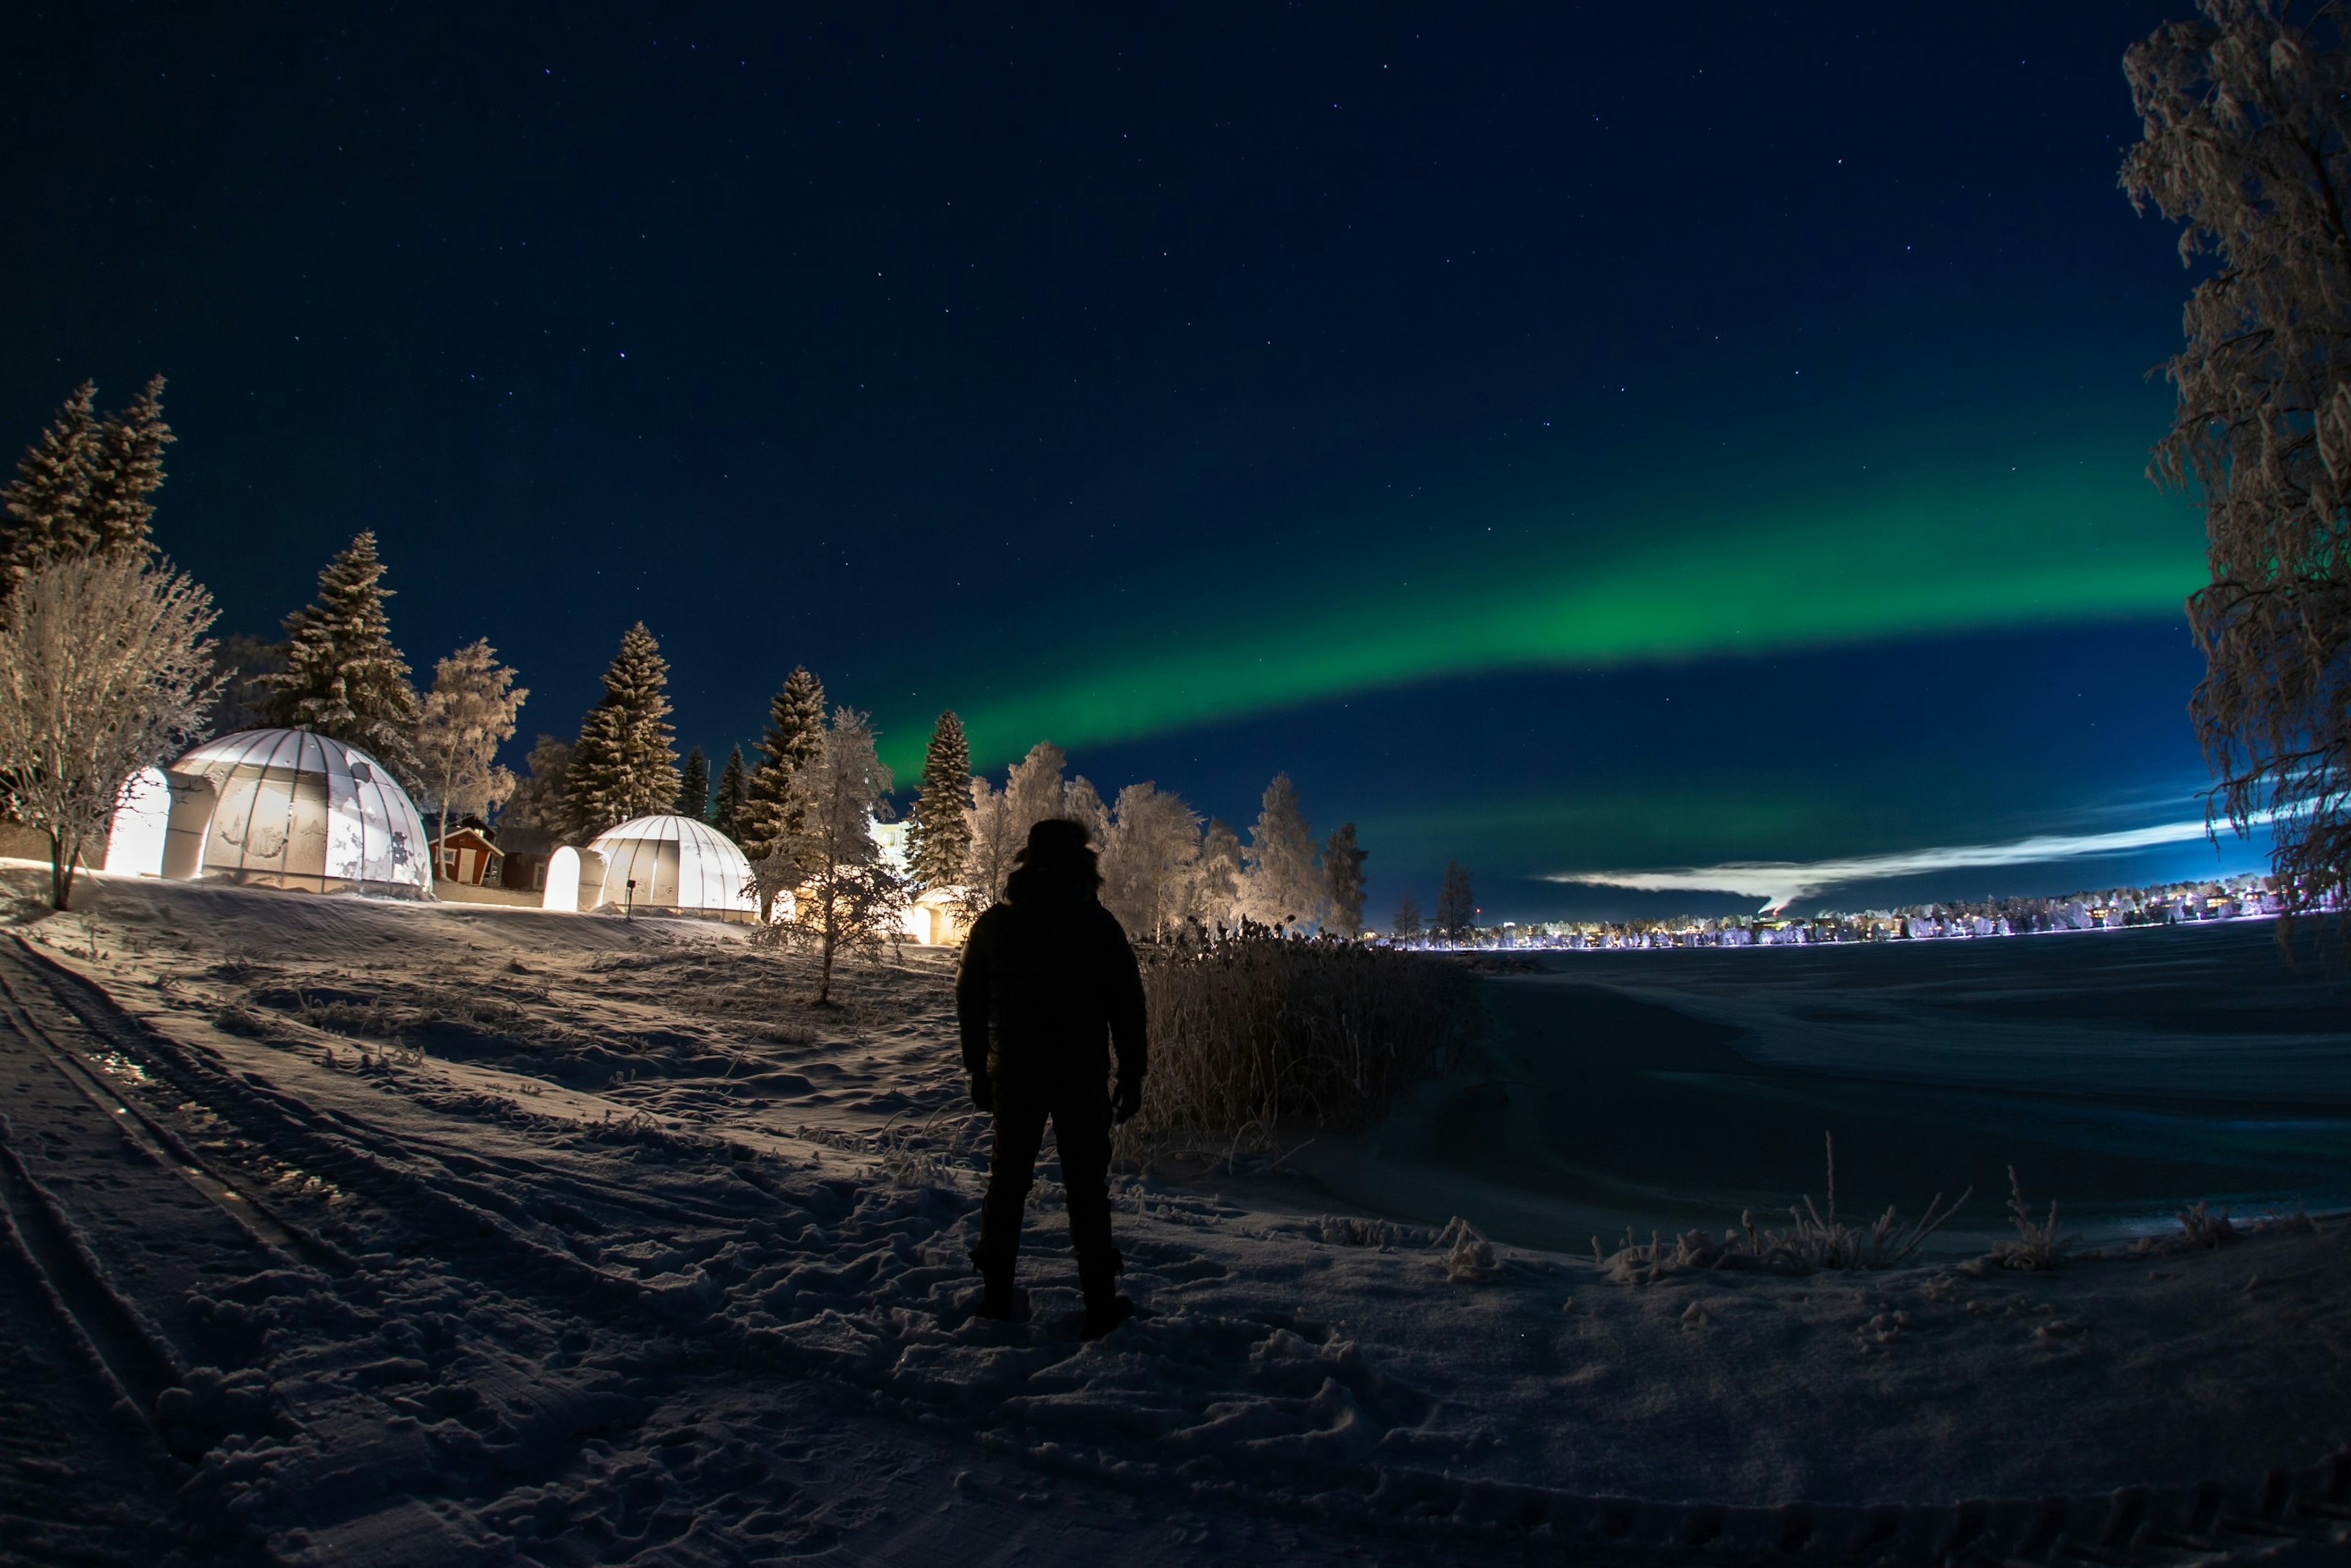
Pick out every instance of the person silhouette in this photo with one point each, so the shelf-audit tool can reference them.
(1046, 978)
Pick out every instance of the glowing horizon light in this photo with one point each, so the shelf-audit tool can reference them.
(1781, 882)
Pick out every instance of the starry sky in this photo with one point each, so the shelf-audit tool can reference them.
(1565, 440)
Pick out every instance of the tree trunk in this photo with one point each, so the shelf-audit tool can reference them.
(824, 972)
(61, 870)
(441, 844)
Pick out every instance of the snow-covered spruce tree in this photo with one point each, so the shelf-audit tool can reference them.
(938, 837)
(46, 502)
(1149, 860)
(104, 670)
(1343, 868)
(2245, 118)
(467, 716)
(85, 485)
(844, 895)
(693, 787)
(1405, 927)
(343, 677)
(734, 789)
(622, 764)
(1457, 905)
(129, 471)
(242, 660)
(1281, 884)
(795, 733)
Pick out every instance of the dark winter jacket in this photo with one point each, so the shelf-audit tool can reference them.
(1048, 980)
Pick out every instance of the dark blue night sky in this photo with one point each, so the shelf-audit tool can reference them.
(1565, 440)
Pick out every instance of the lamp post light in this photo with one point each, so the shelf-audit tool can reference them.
(628, 908)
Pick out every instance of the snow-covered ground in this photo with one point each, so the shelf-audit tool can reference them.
(440, 1235)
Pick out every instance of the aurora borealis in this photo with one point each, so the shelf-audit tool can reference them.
(1691, 579)
(1561, 442)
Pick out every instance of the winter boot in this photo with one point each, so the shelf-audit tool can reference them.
(1106, 1307)
(995, 1298)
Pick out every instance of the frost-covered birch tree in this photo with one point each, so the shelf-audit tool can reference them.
(2245, 116)
(1217, 878)
(1148, 859)
(999, 820)
(1034, 789)
(993, 845)
(104, 670)
(467, 716)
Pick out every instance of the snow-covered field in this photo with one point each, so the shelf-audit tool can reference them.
(354, 1233)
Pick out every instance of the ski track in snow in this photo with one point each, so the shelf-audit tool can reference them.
(453, 1235)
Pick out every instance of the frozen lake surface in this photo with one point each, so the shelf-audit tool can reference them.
(2123, 1073)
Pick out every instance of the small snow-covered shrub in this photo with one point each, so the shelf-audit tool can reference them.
(1252, 1031)
(1469, 1257)
(1347, 1230)
(2199, 1227)
(2037, 1247)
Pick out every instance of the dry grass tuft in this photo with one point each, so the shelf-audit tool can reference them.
(2037, 1247)
(2199, 1227)
(1252, 1032)
(1812, 1241)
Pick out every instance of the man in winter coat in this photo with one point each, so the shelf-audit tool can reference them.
(1047, 983)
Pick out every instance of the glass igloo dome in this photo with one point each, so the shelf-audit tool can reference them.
(678, 863)
(285, 808)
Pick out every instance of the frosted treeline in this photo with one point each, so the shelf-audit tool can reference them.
(1162, 865)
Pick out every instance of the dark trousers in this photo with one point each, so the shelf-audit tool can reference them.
(1081, 1118)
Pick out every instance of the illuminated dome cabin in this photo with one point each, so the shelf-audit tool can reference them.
(276, 808)
(680, 866)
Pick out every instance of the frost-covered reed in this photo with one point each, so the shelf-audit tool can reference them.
(1254, 1033)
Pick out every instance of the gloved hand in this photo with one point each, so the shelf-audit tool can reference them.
(1127, 1101)
(983, 1092)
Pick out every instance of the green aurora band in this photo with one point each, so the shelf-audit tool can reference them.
(2060, 540)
